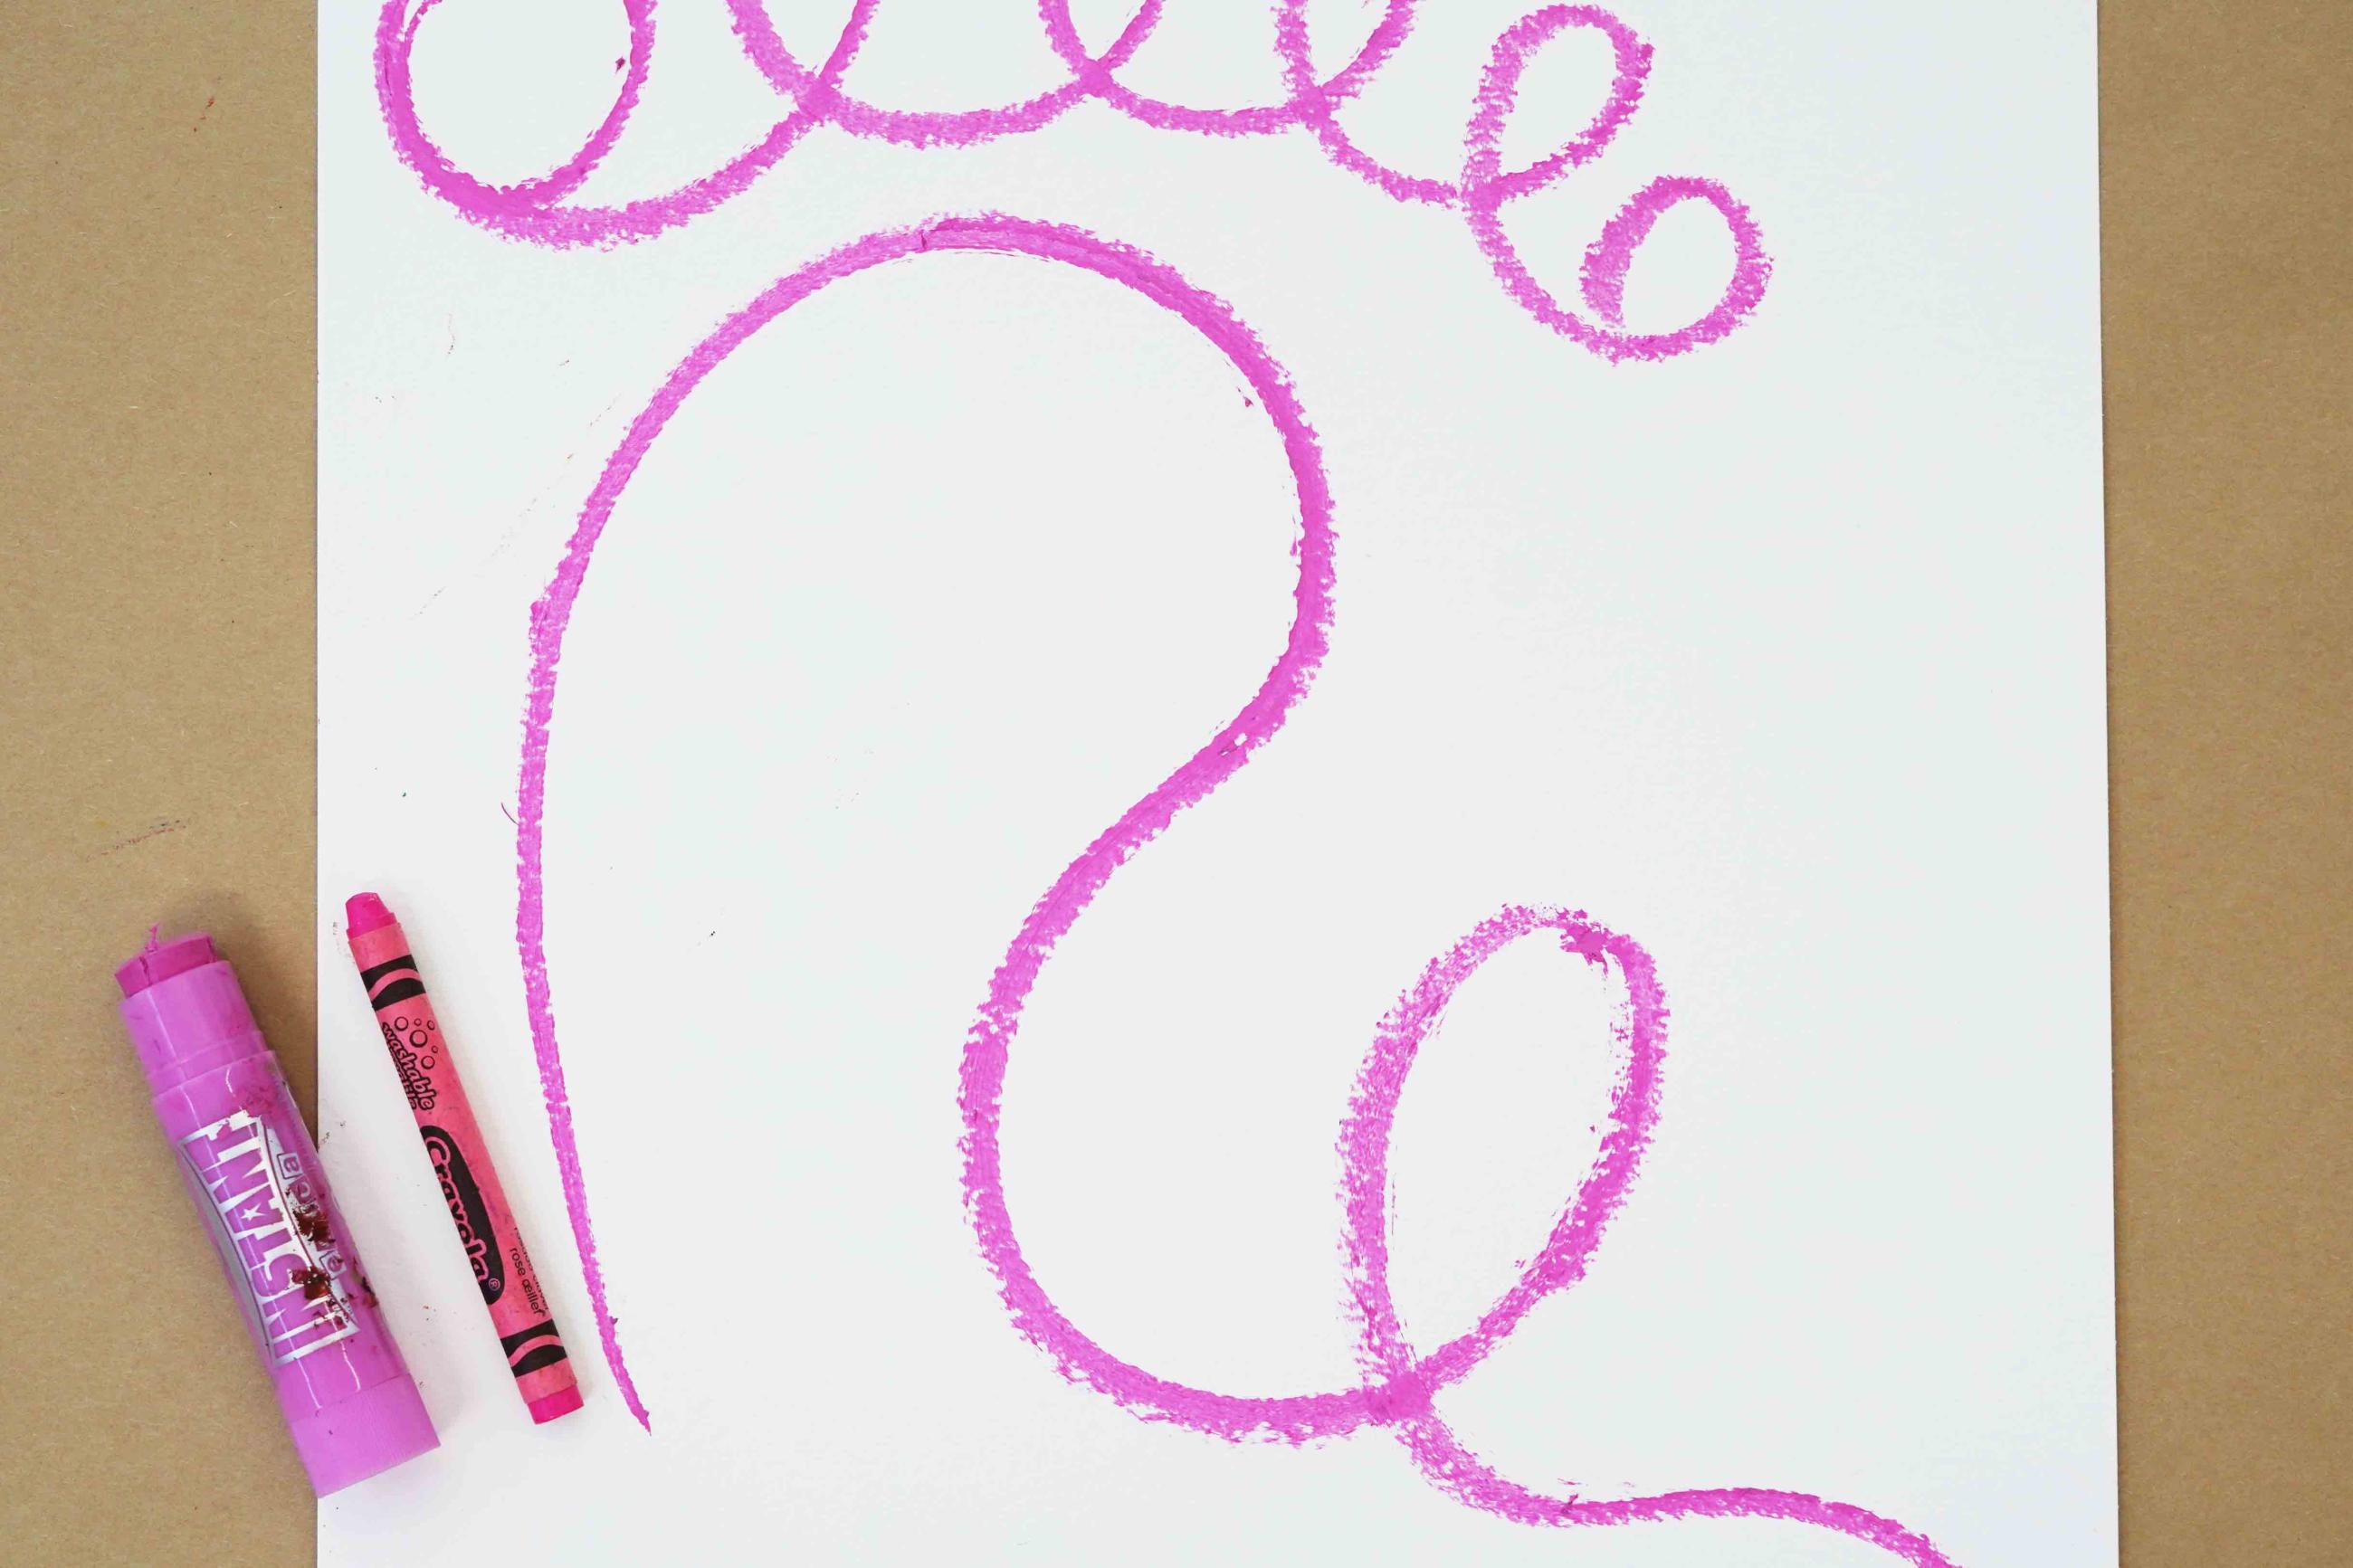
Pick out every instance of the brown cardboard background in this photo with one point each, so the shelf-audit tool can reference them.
(156, 697)
(156, 683)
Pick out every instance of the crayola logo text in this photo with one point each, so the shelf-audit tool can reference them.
(466, 1208)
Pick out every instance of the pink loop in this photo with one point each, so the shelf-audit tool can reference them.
(528, 210)
(1372, 1112)
(1608, 259)
(397, 42)
(531, 210)
(1499, 89)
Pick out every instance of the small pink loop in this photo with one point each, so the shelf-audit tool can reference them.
(1364, 1137)
(395, 95)
(1499, 91)
(530, 209)
(1608, 259)
(1611, 255)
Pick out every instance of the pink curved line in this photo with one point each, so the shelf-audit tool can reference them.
(525, 210)
(1499, 91)
(1402, 1384)
(1606, 263)
(397, 42)
(1365, 1141)
(1318, 110)
(1253, 119)
(552, 613)
(916, 128)
(1399, 1385)
(1611, 255)
(532, 210)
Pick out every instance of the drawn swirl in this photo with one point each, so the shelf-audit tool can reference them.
(1399, 1382)
(538, 210)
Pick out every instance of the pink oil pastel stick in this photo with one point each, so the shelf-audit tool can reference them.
(250, 1164)
(519, 1311)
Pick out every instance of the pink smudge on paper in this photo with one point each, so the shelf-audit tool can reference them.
(1399, 1382)
(538, 210)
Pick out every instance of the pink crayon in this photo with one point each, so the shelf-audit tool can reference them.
(519, 1311)
(250, 1167)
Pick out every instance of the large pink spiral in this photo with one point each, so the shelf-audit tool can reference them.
(1399, 1382)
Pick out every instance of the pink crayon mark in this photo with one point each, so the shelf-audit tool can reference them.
(1399, 1382)
(535, 210)
(552, 613)
(1610, 257)
(1256, 120)
(1499, 91)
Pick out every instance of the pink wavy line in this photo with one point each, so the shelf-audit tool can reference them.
(535, 210)
(1400, 1383)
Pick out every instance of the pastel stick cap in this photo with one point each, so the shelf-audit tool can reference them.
(369, 1433)
(185, 1012)
(158, 961)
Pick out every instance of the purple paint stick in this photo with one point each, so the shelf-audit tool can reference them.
(250, 1167)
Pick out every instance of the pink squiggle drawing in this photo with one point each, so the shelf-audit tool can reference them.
(537, 210)
(1400, 1383)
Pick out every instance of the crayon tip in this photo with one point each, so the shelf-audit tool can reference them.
(364, 912)
(548, 1406)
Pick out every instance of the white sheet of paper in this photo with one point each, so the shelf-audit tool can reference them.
(1781, 658)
